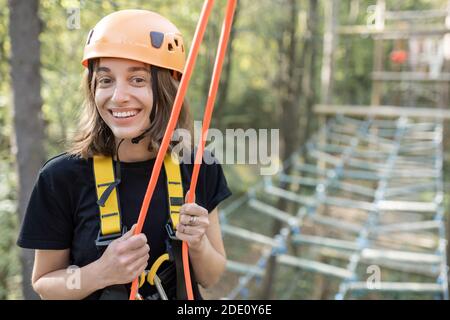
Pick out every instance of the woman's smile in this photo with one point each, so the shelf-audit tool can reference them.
(124, 116)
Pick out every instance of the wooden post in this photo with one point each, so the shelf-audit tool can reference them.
(445, 142)
(331, 24)
(445, 92)
(322, 138)
(329, 46)
(330, 40)
(378, 64)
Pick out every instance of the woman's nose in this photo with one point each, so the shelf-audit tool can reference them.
(120, 93)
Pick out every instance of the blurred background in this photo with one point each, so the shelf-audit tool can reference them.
(359, 90)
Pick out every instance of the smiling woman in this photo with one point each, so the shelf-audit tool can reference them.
(123, 96)
(113, 91)
(85, 200)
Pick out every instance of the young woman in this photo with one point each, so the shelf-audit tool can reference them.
(134, 60)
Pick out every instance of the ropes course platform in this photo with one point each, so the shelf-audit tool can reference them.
(358, 211)
(370, 200)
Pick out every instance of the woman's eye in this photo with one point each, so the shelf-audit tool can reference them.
(138, 80)
(104, 81)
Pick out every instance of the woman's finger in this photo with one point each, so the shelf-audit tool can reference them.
(190, 230)
(187, 197)
(191, 220)
(193, 209)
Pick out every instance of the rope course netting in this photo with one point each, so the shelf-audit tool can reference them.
(358, 211)
(365, 214)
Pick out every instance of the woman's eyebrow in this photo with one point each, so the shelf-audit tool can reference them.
(132, 69)
(105, 69)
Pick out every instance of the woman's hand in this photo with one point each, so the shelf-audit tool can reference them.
(125, 258)
(194, 222)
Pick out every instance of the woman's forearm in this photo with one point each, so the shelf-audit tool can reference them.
(78, 283)
(71, 283)
(207, 262)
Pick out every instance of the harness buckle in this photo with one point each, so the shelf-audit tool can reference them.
(170, 231)
(103, 241)
(160, 288)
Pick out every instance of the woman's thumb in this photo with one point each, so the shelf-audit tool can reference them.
(130, 233)
(186, 198)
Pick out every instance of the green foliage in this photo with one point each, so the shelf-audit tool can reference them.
(9, 253)
(5, 127)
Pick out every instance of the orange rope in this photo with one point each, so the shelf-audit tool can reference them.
(179, 98)
(226, 28)
(225, 34)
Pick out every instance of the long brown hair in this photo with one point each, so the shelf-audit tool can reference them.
(94, 137)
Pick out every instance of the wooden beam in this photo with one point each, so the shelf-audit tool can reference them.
(314, 266)
(248, 235)
(397, 287)
(244, 268)
(416, 14)
(393, 33)
(409, 76)
(382, 111)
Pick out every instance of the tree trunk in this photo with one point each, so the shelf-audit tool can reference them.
(290, 116)
(310, 74)
(329, 49)
(28, 135)
(222, 95)
(210, 42)
(289, 123)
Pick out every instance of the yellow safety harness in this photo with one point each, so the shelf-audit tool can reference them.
(111, 226)
(108, 201)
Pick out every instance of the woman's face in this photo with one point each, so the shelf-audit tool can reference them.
(124, 96)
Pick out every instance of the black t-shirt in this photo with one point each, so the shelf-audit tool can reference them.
(62, 212)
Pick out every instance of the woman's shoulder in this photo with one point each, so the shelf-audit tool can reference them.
(64, 165)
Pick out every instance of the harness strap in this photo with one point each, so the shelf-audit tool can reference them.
(177, 248)
(181, 285)
(110, 215)
(174, 188)
(108, 201)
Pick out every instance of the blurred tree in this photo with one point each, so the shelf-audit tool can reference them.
(28, 135)
(224, 85)
(289, 77)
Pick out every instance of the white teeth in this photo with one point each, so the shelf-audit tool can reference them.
(124, 114)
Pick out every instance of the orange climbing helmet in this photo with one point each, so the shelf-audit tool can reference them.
(139, 35)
